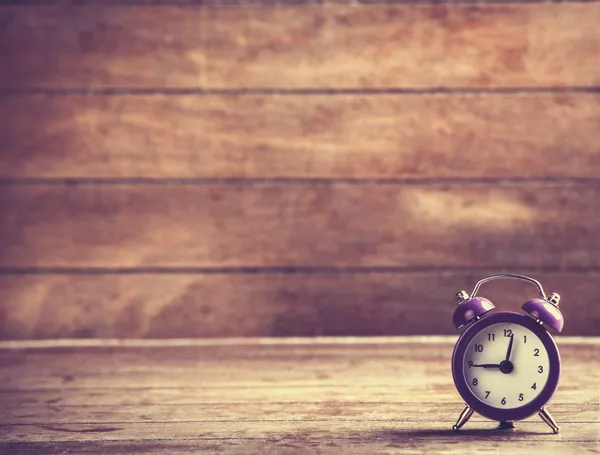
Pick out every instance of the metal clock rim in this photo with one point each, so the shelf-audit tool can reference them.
(514, 413)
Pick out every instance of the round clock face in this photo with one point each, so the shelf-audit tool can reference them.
(506, 365)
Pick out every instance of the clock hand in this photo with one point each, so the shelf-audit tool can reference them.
(487, 365)
(510, 345)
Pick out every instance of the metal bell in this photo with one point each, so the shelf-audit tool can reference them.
(471, 309)
(546, 311)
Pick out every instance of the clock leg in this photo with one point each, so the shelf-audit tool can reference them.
(547, 417)
(463, 418)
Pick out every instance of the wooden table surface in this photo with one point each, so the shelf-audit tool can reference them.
(335, 395)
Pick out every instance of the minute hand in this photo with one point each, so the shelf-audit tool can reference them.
(510, 345)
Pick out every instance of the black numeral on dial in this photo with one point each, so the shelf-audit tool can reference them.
(534, 386)
(536, 352)
(521, 397)
(474, 381)
(487, 393)
(479, 348)
(491, 336)
(540, 369)
(503, 400)
(507, 333)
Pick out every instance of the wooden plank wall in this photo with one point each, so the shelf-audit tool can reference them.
(268, 168)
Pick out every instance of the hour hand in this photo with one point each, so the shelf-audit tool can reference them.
(487, 365)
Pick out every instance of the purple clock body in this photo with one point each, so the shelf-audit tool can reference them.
(489, 411)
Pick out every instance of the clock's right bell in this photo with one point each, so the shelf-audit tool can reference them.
(546, 311)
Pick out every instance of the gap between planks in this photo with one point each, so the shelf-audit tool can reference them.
(119, 91)
(435, 181)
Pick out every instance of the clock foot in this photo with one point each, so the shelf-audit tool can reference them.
(463, 418)
(547, 417)
(506, 425)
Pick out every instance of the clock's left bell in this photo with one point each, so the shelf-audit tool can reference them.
(470, 309)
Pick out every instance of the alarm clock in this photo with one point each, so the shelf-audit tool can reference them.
(506, 365)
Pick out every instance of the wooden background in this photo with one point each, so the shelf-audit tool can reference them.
(268, 168)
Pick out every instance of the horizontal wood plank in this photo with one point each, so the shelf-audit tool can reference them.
(266, 304)
(132, 376)
(274, 430)
(392, 444)
(323, 225)
(301, 46)
(301, 136)
(346, 411)
(98, 408)
(189, 397)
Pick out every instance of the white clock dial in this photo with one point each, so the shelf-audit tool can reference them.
(528, 358)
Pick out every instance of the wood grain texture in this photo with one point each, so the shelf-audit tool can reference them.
(355, 446)
(301, 46)
(261, 430)
(267, 304)
(341, 396)
(301, 136)
(164, 100)
(361, 445)
(205, 371)
(199, 413)
(325, 225)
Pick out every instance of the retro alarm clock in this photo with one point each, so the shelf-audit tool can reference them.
(506, 365)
